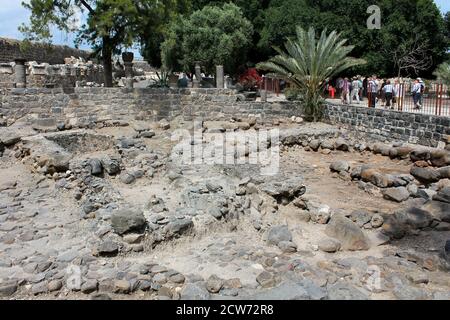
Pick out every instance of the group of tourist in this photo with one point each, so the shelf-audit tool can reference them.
(389, 92)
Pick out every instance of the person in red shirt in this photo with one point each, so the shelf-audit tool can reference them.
(331, 91)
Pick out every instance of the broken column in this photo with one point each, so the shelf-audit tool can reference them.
(219, 77)
(128, 58)
(198, 75)
(20, 73)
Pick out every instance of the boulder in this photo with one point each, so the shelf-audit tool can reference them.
(111, 165)
(425, 175)
(289, 188)
(444, 172)
(398, 194)
(341, 144)
(340, 166)
(376, 178)
(443, 195)
(106, 249)
(287, 246)
(361, 217)
(127, 178)
(327, 144)
(214, 284)
(420, 155)
(127, 221)
(178, 227)
(439, 210)
(96, 167)
(348, 232)
(440, 158)
(193, 291)
(376, 221)
(277, 234)
(329, 245)
(314, 144)
(321, 215)
(400, 152)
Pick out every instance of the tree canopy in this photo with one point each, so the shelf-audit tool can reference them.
(111, 25)
(405, 23)
(413, 39)
(213, 35)
(307, 63)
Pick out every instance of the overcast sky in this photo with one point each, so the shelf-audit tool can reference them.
(12, 14)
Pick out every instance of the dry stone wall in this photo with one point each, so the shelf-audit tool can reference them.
(382, 124)
(82, 106)
(52, 54)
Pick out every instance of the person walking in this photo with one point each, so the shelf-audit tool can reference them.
(417, 95)
(345, 96)
(422, 90)
(355, 91)
(388, 91)
(372, 91)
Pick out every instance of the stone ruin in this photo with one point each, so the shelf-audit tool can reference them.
(119, 205)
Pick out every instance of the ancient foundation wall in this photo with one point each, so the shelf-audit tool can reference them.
(55, 76)
(52, 54)
(382, 124)
(83, 106)
(47, 107)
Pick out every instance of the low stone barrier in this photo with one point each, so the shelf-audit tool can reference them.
(382, 124)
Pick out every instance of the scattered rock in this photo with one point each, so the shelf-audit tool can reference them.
(127, 178)
(340, 166)
(107, 249)
(122, 286)
(193, 291)
(425, 175)
(329, 245)
(398, 194)
(214, 284)
(278, 234)
(348, 232)
(266, 279)
(321, 215)
(128, 220)
(287, 246)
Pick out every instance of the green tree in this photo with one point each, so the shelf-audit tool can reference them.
(253, 11)
(443, 73)
(308, 62)
(405, 23)
(111, 25)
(213, 35)
(154, 30)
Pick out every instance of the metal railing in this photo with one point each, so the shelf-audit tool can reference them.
(435, 100)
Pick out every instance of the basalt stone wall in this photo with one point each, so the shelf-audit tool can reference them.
(382, 124)
(47, 107)
(52, 54)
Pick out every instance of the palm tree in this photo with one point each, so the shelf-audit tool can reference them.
(443, 73)
(308, 63)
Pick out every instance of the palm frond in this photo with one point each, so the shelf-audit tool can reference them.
(307, 62)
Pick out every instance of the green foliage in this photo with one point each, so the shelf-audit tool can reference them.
(111, 25)
(163, 79)
(404, 22)
(308, 62)
(213, 35)
(443, 73)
